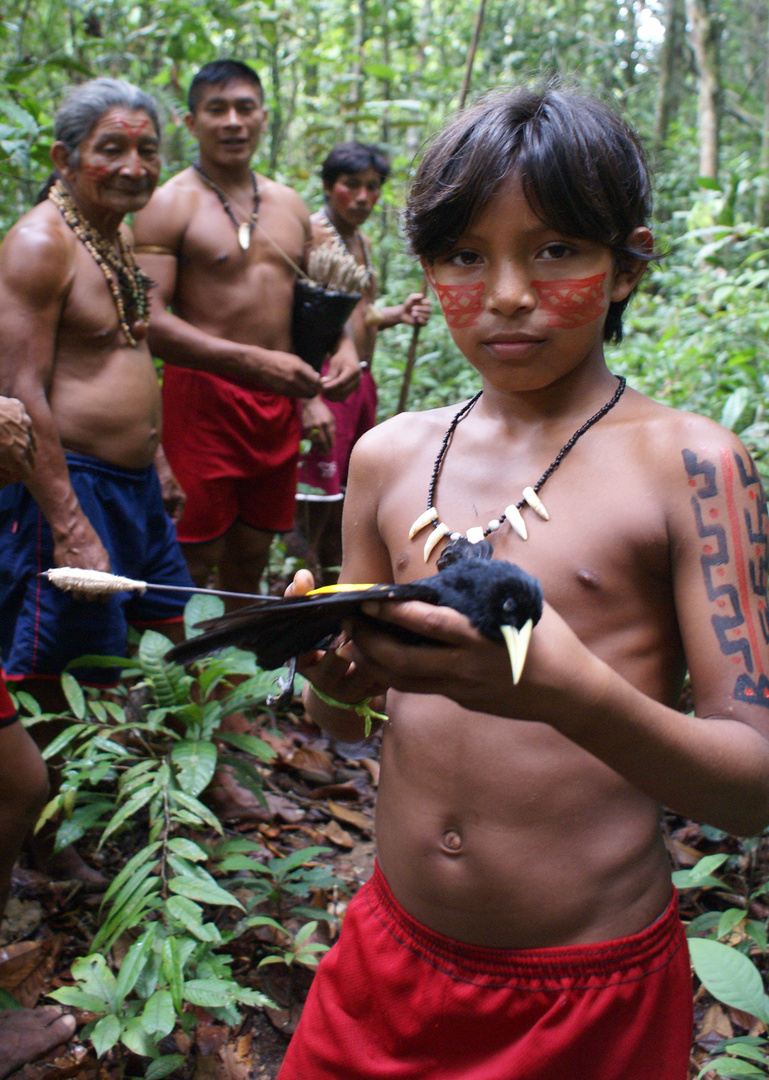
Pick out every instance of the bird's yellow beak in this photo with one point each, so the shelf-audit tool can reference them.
(517, 642)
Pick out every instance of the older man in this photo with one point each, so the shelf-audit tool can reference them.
(73, 349)
(224, 244)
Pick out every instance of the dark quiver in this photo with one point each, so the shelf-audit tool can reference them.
(318, 319)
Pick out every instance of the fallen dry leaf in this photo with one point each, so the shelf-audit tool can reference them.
(314, 766)
(26, 968)
(351, 817)
(715, 1019)
(334, 832)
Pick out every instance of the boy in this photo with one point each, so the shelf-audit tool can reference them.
(521, 924)
(352, 174)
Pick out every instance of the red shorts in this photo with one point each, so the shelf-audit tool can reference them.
(396, 1001)
(234, 451)
(354, 417)
(8, 714)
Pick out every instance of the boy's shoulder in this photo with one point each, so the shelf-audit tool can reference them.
(407, 431)
(665, 428)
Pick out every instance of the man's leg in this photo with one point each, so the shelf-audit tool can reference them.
(23, 794)
(202, 560)
(245, 556)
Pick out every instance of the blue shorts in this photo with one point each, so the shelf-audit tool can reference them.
(43, 628)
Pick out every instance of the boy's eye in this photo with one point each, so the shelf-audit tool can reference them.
(464, 258)
(556, 251)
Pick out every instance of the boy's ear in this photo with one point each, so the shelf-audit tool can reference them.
(429, 275)
(633, 270)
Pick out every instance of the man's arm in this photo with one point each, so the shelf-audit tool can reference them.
(414, 311)
(36, 269)
(712, 767)
(158, 232)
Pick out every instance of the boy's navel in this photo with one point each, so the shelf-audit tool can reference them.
(452, 842)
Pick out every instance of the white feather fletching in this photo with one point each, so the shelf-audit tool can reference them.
(95, 582)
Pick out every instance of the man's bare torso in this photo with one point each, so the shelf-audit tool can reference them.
(501, 832)
(241, 296)
(103, 393)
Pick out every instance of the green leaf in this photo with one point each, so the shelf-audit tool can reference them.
(729, 976)
(201, 812)
(210, 993)
(728, 920)
(198, 608)
(187, 849)
(79, 999)
(207, 892)
(195, 762)
(105, 1034)
(131, 867)
(173, 971)
(163, 1066)
(133, 964)
(733, 1067)
(159, 1016)
(250, 744)
(128, 810)
(699, 876)
(136, 1038)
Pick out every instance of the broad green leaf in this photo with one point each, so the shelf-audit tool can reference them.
(210, 993)
(195, 807)
(729, 976)
(699, 876)
(79, 999)
(136, 1038)
(187, 849)
(198, 608)
(207, 892)
(734, 1068)
(250, 744)
(105, 1034)
(163, 1066)
(195, 763)
(728, 920)
(159, 1016)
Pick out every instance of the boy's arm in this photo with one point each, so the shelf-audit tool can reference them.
(711, 767)
(158, 232)
(366, 561)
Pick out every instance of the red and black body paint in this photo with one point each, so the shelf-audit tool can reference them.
(735, 539)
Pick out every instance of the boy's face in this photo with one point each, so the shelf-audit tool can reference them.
(353, 196)
(524, 303)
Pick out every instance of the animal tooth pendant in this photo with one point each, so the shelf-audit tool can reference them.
(435, 537)
(535, 503)
(517, 524)
(427, 517)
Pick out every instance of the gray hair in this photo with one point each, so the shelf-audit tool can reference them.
(85, 105)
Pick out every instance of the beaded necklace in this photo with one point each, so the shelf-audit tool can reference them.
(326, 221)
(244, 229)
(513, 511)
(126, 282)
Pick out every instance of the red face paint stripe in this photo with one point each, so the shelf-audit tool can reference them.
(461, 303)
(572, 302)
(739, 555)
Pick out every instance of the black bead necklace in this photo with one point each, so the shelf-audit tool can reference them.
(512, 512)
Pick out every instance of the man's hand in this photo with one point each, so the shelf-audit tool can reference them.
(174, 498)
(81, 549)
(416, 309)
(318, 424)
(17, 441)
(343, 373)
(285, 373)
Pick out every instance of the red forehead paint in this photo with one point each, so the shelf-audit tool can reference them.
(461, 303)
(572, 302)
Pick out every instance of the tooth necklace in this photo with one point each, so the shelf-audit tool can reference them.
(242, 228)
(513, 511)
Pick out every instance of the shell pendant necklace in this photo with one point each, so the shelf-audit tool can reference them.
(512, 513)
(244, 229)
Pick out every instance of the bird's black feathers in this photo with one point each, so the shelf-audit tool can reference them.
(491, 593)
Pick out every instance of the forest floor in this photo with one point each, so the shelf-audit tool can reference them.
(318, 793)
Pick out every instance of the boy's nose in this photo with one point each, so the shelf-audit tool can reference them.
(510, 290)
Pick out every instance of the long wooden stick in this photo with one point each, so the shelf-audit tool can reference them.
(411, 356)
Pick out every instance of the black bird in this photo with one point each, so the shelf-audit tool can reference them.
(502, 601)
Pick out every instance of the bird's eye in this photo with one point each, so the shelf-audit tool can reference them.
(509, 605)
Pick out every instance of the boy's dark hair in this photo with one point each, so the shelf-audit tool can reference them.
(582, 168)
(220, 73)
(354, 157)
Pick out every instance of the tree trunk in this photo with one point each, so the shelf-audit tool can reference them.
(664, 106)
(703, 39)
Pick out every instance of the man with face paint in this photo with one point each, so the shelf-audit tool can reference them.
(224, 242)
(352, 175)
(73, 350)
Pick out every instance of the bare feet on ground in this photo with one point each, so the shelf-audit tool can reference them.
(27, 1034)
(64, 865)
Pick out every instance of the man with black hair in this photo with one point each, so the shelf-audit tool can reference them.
(223, 244)
(352, 175)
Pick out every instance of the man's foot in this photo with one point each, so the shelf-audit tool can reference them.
(27, 1034)
(65, 865)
